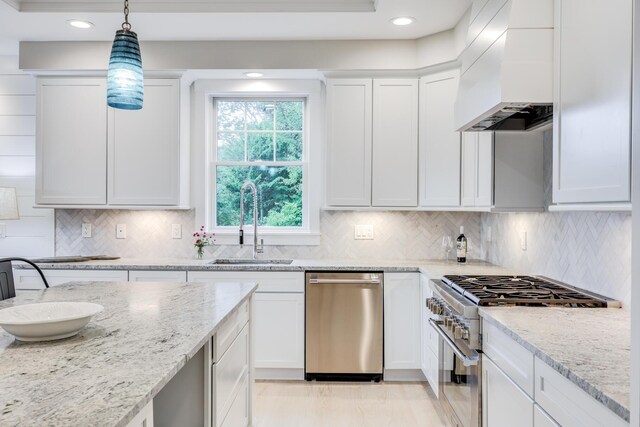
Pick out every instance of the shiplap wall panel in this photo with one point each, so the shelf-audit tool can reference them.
(17, 105)
(17, 125)
(33, 234)
(17, 146)
(17, 84)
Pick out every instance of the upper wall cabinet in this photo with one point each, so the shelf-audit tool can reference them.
(592, 123)
(477, 169)
(144, 149)
(372, 142)
(91, 155)
(349, 142)
(71, 139)
(395, 142)
(439, 166)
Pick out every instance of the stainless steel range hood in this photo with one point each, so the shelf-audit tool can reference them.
(506, 80)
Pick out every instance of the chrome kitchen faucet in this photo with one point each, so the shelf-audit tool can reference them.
(256, 249)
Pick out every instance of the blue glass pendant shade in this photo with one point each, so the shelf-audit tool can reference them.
(125, 84)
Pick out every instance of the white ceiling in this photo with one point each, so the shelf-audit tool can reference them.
(432, 16)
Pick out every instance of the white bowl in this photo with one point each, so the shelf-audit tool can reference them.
(48, 320)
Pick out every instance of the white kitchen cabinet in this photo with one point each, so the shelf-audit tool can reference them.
(439, 161)
(279, 314)
(542, 419)
(430, 343)
(279, 330)
(348, 177)
(503, 402)
(230, 372)
(477, 169)
(402, 319)
(28, 279)
(157, 276)
(71, 137)
(91, 155)
(567, 404)
(144, 148)
(395, 143)
(592, 106)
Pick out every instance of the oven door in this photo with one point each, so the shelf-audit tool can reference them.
(459, 379)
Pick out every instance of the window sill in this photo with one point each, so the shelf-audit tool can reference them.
(271, 238)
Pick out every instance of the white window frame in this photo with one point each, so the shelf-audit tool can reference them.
(204, 155)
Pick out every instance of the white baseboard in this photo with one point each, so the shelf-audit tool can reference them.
(279, 374)
(412, 375)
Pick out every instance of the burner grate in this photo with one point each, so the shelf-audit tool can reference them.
(519, 290)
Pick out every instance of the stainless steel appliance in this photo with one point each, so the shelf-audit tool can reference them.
(454, 316)
(344, 333)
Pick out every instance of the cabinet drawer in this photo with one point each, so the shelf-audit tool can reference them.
(229, 330)
(228, 374)
(238, 414)
(267, 282)
(503, 401)
(515, 360)
(30, 279)
(569, 405)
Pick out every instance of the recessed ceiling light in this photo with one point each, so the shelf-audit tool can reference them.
(403, 20)
(77, 23)
(253, 74)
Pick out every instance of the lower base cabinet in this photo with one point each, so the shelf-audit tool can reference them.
(504, 404)
(144, 418)
(542, 419)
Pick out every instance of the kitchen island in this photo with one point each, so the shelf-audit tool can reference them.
(128, 355)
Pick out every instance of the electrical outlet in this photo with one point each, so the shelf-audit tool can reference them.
(86, 230)
(176, 231)
(3, 231)
(364, 232)
(523, 240)
(121, 231)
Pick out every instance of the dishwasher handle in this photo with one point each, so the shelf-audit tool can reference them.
(345, 281)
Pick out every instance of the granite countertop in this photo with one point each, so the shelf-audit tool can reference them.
(434, 268)
(108, 372)
(589, 346)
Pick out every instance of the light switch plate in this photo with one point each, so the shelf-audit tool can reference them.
(363, 232)
(86, 229)
(121, 231)
(176, 231)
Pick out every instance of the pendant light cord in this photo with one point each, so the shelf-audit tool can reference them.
(125, 25)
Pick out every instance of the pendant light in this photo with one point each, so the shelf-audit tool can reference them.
(125, 85)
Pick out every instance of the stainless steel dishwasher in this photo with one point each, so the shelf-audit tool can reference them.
(344, 335)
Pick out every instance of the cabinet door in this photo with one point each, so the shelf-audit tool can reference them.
(349, 142)
(503, 403)
(469, 149)
(395, 142)
(144, 148)
(484, 170)
(144, 418)
(592, 108)
(71, 141)
(279, 329)
(402, 321)
(439, 142)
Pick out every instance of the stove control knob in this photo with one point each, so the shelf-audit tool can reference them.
(465, 334)
(448, 322)
(458, 331)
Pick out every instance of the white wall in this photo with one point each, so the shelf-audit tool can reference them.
(33, 234)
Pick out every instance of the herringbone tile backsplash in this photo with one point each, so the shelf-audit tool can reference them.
(397, 235)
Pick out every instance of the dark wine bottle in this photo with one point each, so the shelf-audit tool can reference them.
(461, 246)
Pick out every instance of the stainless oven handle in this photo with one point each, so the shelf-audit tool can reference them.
(470, 359)
(345, 281)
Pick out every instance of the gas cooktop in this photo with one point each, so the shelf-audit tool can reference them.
(521, 290)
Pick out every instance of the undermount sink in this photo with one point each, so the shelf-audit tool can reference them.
(250, 261)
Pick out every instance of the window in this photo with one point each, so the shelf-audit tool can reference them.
(262, 141)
